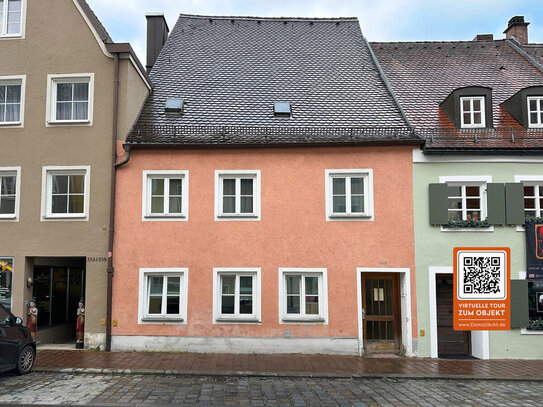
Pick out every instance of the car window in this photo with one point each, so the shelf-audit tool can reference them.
(4, 317)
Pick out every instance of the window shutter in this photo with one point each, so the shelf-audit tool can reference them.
(514, 203)
(519, 304)
(438, 204)
(495, 201)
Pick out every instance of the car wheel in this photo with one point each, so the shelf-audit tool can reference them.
(25, 361)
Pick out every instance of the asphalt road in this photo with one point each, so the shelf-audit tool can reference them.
(47, 388)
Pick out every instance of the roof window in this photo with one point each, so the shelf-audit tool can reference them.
(281, 109)
(174, 105)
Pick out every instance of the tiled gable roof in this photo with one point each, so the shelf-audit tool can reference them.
(423, 74)
(230, 70)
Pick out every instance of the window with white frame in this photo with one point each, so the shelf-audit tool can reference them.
(472, 112)
(11, 18)
(303, 295)
(165, 194)
(533, 198)
(70, 98)
(535, 111)
(11, 100)
(466, 201)
(9, 199)
(163, 294)
(66, 192)
(466, 197)
(237, 195)
(237, 294)
(349, 193)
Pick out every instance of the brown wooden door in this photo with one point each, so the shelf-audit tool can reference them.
(449, 341)
(381, 310)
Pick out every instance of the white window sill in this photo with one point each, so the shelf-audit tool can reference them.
(237, 320)
(8, 217)
(349, 215)
(478, 230)
(8, 124)
(67, 122)
(464, 127)
(11, 36)
(163, 217)
(162, 319)
(302, 319)
(65, 217)
(525, 331)
(235, 217)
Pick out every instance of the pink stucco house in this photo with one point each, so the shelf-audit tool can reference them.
(266, 205)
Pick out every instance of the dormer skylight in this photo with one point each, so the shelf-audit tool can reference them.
(174, 105)
(281, 109)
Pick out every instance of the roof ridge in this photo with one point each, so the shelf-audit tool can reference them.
(331, 19)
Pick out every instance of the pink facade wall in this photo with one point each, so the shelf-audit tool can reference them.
(293, 232)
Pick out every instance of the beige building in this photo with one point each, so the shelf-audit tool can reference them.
(68, 93)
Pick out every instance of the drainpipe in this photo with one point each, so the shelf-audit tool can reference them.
(110, 268)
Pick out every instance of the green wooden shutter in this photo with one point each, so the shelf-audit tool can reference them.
(495, 202)
(438, 204)
(519, 304)
(514, 203)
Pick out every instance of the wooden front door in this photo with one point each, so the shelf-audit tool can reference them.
(450, 343)
(381, 312)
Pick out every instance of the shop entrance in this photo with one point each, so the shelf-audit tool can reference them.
(450, 343)
(381, 312)
(58, 290)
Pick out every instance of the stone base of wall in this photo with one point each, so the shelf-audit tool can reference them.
(94, 340)
(334, 346)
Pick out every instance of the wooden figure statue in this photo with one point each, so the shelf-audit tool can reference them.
(80, 325)
(33, 318)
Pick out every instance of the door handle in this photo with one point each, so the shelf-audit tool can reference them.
(363, 313)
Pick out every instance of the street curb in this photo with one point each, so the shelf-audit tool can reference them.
(282, 374)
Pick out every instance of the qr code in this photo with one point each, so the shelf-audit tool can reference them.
(481, 275)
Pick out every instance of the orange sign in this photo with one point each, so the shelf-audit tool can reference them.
(482, 278)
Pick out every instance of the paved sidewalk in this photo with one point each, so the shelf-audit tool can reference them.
(284, 365)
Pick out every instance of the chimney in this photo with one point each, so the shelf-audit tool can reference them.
(484, 37)
(157, 34)
(516, 27)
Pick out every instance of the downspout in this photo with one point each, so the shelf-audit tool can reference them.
(110, 268)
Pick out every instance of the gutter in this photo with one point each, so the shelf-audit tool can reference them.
(158, 146)
(110, 268)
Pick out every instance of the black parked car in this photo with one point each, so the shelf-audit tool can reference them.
(17, 349)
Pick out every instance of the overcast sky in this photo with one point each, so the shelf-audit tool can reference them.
(381, 20)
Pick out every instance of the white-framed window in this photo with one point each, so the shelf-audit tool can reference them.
(472, 111)
(349, 194)
(66, 192)
(70, 98)
(165, 195)
(237, 195)
(163, 295)
(12, 18)
(236, 294)
(535, 111)
(12, 93)
(303, 295)
(466, 199)
(533, 194)
(10, 193)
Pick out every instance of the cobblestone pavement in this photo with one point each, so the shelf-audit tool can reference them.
(46, 388)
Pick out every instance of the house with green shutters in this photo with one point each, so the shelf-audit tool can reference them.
(479, 104)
